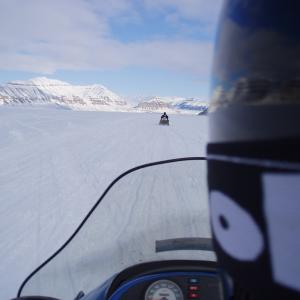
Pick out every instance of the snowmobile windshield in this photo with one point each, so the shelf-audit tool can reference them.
(157, 212)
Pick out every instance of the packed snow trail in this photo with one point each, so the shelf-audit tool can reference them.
(54, 165)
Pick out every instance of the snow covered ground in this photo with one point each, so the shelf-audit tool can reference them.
(54, 165)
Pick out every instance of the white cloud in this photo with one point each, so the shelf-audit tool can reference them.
(204, 11)
(44, 36)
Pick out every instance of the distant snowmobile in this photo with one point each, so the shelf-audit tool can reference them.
(164, 119)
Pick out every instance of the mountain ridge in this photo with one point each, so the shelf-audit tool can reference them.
(94, 97)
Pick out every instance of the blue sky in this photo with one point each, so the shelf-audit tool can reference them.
(134, 47)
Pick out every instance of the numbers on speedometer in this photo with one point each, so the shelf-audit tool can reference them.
(164, 290)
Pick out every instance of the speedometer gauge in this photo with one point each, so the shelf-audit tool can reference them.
(163, 290)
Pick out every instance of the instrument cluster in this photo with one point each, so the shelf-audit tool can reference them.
(172, 284)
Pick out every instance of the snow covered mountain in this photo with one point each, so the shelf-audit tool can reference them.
(42, 90)
(153, 104)
(172, 105)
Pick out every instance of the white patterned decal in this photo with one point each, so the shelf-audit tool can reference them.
(235, 229)
(282, 210)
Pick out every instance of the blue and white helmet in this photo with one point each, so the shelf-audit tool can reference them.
(254, 147)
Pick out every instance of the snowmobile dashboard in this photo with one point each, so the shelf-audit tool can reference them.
(167, 280)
